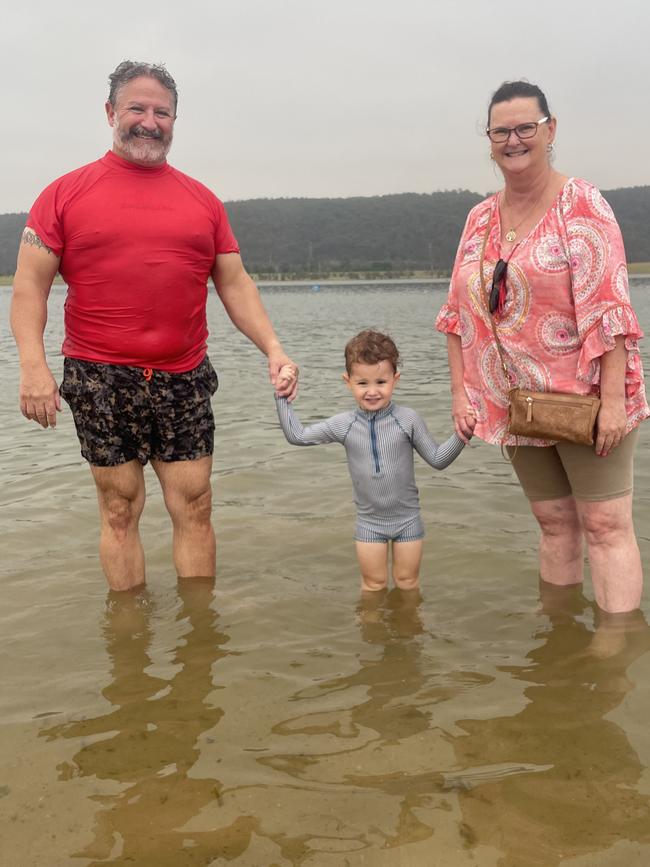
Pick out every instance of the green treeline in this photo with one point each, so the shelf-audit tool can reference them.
(11, 227)
(375, 234)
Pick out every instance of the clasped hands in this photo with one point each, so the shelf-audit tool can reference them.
(284, 377)
(464, 416)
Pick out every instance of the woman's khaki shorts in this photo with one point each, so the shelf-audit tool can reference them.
(567, 469)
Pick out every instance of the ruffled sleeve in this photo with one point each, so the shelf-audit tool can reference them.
(599, 284)
(448, 318)
(614, 322)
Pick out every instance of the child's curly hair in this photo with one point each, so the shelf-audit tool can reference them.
(370, 347)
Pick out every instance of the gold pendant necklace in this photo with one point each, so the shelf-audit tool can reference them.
(511, 234)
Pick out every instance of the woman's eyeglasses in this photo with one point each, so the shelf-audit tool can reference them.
(498, 283)
(500, 134)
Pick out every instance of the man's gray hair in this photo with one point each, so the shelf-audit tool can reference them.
(127, 70)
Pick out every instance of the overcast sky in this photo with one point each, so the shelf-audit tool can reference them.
(327, 97)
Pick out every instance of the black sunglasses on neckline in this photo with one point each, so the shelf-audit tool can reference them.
(498, 277)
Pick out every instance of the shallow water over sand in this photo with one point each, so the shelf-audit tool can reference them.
(276, 719)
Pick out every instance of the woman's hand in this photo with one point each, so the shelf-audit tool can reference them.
(463, 415)
(612, 417)
(610, 425)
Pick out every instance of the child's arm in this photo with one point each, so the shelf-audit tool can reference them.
(326, 431)
(437, 455)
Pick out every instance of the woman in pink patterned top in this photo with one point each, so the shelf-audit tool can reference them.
(555, 279)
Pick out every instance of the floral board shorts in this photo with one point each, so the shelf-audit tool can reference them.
(132, 413)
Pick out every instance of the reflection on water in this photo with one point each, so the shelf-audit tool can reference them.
(276, 719)
(584, 797)
(556, 780)
(151, 738)
(391, 712)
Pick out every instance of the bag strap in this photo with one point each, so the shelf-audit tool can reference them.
(494, 330)
(484, 298)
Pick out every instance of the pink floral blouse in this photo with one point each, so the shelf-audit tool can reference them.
(567, 299)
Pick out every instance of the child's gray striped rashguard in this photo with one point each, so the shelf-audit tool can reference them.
(379, 449)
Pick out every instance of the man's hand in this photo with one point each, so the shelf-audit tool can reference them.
(36, 268)
(39, 395)
(283, 374)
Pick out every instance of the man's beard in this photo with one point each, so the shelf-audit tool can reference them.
(142, 146)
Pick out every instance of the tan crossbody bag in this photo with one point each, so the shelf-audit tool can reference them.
(546, 415)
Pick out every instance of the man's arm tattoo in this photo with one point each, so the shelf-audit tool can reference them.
(30, 237)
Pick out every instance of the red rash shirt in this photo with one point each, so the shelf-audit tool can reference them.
(137, 246)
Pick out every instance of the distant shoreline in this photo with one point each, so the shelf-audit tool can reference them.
(351, 281)
(7, 280)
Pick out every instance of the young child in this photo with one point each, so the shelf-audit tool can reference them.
(379, 438)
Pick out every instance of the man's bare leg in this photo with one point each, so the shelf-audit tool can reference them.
(188, 498)
(121, 496)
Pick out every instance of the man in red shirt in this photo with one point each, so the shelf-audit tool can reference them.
(136, 241)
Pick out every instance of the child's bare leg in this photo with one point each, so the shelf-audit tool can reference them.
(407, 557)
(373, 562)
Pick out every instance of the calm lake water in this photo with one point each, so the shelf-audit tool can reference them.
(276, 720)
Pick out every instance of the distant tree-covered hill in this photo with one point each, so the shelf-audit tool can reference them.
(379, 233)
(11, 227)
(401, 232)
(632, 208)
